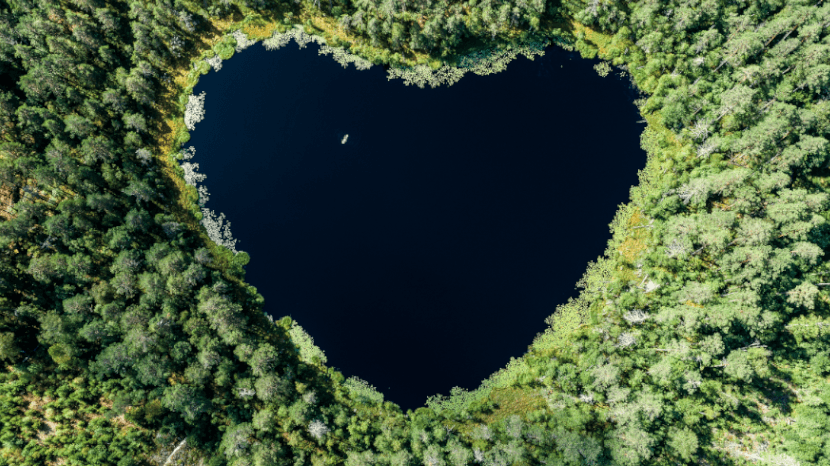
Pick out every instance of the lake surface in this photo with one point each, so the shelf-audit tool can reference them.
(430, 247)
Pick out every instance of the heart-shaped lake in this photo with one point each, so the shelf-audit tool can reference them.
(421, 236)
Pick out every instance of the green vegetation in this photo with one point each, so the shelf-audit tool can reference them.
(129, 337)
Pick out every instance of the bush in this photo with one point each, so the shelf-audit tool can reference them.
(224, 49)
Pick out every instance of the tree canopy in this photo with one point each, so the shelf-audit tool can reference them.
(129, 336)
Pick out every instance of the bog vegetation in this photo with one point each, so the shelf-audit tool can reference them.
(129, 337)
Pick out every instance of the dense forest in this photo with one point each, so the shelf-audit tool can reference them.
(129, 337)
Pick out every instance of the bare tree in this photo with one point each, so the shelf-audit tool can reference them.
(194, 111)
(317, 429)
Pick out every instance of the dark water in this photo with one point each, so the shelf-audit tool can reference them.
(429, 248)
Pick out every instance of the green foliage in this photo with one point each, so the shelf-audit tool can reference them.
(308, 351)
(187, 401)
(236, 441)
(272, 388)
(61, 353)
(602, 69)
(225, 48)
(362, 392)
(745, 365)
(264, 360)
(709, 307)
(460, 400)
(8, 349)
(241, 259)
(684, 443)
(567, 319)
(483, 62)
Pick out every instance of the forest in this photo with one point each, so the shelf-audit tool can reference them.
(129, 336)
